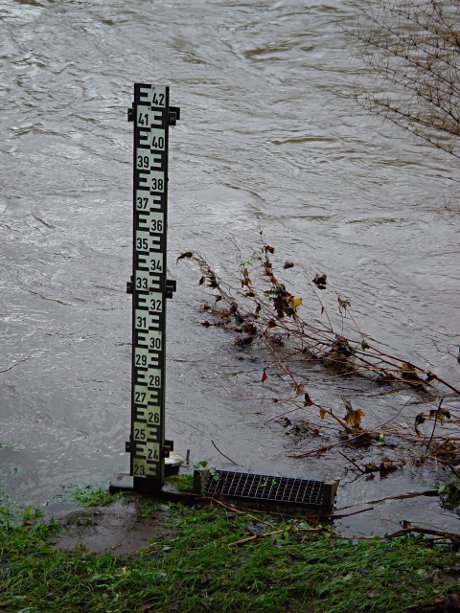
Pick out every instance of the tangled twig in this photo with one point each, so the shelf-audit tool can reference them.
(263, 310)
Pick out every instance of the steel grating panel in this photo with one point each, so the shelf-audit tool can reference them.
(268, 488)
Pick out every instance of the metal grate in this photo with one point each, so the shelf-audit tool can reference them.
(268, 488)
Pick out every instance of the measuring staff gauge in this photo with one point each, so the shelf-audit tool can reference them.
(152, 116)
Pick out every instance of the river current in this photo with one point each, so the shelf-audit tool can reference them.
(270, 137)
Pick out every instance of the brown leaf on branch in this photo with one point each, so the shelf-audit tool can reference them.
(299, 389)
(249, 327)
(320, 280)
(385, 467)
(344, 303)
(409, 373)
(212, 281)
(353, 418)
(244, 341)
(419, 420)
(440, 414)
(186, 254)
(245, 281)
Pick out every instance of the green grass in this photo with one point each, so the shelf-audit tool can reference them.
(197, 569)
(90, 496)
(183, 483)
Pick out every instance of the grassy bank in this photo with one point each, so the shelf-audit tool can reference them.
(209, 558)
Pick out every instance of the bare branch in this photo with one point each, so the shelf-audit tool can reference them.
(413, 47)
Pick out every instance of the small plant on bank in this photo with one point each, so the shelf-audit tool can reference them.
(183, 483)
(90, 496)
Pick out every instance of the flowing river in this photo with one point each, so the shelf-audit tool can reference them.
(270, 137)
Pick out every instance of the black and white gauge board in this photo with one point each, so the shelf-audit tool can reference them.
(150, 288)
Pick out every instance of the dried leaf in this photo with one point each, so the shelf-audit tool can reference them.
(186, 254)
(296, 302)
(244, 341)
(264, 375)
(370, 468)
(320, 281)
(409, 373)
(202, 280)
(249, 327)
(353, 416)
(322, 412)
(420, 419)
(299, 389)
(307, 400)
(445, 414)
(344, 303)
(245, 281)
(387, 466)
(440, 414)
(348, 405)
(213, 282)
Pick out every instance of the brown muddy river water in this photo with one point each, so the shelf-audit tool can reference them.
(270, 135)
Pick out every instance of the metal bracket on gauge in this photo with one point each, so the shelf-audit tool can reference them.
(148, 285)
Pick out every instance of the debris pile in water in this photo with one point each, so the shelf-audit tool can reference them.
(260, 310)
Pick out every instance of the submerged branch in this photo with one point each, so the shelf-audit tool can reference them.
(260, 309)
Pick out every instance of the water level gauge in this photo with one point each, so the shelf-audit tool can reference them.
(151, 116)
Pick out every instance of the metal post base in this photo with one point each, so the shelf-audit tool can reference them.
(127, 483)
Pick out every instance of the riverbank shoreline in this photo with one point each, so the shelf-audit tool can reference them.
(132, 553)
